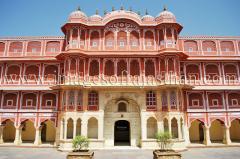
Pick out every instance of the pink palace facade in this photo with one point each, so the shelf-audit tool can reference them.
(118, 79)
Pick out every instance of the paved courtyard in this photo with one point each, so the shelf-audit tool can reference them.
(50, 153)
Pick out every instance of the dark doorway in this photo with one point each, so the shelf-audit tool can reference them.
(43, 132)
(122, 133)
(201, 133)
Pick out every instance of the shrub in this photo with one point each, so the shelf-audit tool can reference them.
(163, 139)
(80, 143)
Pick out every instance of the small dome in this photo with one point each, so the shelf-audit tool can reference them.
(77, 15)
(165, 16)
(147, 18)
(95, 17)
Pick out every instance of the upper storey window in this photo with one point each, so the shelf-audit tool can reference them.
(16, 47)
(134, 38)
(92, 100)
(94, 39)
(227, 46)
(34, 46)
(151, 100)
(109, 39)
(149, 39)
(2, 47)
(122, 39)
(190, 46)
(209, 49)
(53, 46)
(209, 46)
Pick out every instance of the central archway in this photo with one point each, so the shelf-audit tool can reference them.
(122, 133)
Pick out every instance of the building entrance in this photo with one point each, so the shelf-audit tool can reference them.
(122, 133)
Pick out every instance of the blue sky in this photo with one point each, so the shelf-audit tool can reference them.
(45, 17)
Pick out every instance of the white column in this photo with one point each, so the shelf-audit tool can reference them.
(74, 128)
(100, 128)
(1, 133)
(38, 136)
(179, 130)
(186, 134)
(170, 126)
(65, 130)
(226, 138)
(84, 128)
(207, 140)
(143, 128)
(18, 138)
(61, 130)
(160, 126)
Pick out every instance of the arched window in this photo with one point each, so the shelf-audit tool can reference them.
(149, 39)
(13, 72)
(94, 39)
(215, 101)
(92, 128)
(122, 39)
(109, 68)
(82, 38)
(53, 46)
(230, 72)
(192, 72)
(50, 72)
(122, 107)
(134, 39)
(151, 100)
(171, 65)
(151, 128)
(122, 68)
(190, 46)
(209, 46)
(29, 101)
(81, 67)
(212, 72)
(233, 100)
(164, 101)
(2, 47)
(109, 39)
(32, 72)
(227, 46)
(48, 100)
(149, 68)
(92, 100)
(16, 47)
(34, 46)
(10, 101)
(134, 68)
(71, 100)
(173, 100)
(195, 100)
(94, 68)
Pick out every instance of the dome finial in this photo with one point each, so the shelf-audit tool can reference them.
(139, 13)
(105, 12)
(164, 8)
(121, 8)
(113, 9)
(130, 8)
(96, 11)
(146, 12)
(79, 8)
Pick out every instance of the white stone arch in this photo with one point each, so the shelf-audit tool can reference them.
(92, 127)
(152, 127)
(111, 116)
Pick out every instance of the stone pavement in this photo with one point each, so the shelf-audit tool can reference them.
(51, 153)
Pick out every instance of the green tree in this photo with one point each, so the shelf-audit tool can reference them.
(80, 143)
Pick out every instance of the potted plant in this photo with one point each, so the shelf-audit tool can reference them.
(80, 148)
(165, 151)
